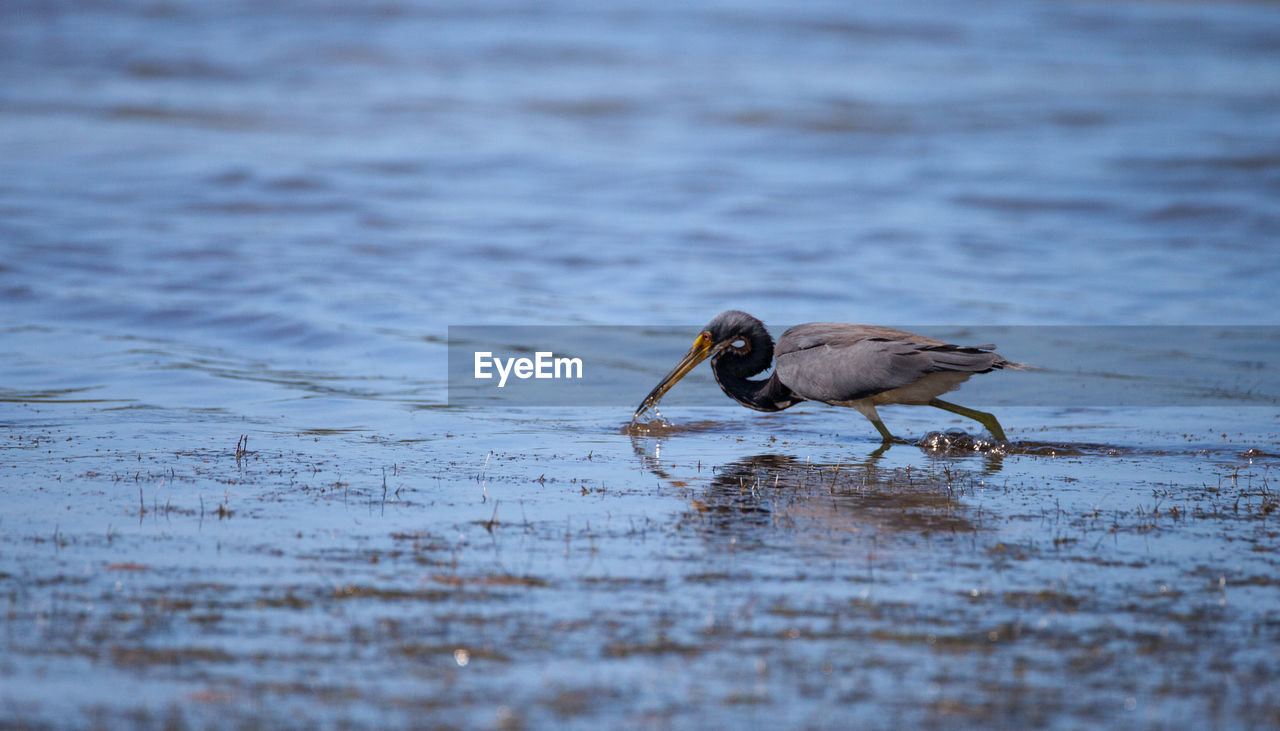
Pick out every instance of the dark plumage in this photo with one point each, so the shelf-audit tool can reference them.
(859, 366)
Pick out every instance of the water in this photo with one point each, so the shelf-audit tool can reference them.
(242, 219)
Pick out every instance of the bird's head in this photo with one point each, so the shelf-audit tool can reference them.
(737, 343)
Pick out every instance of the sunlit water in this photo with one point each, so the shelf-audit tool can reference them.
(227, 219)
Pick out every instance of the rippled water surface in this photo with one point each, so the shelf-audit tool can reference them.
(257, 221)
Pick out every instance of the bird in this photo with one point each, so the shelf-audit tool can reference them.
(838, 363)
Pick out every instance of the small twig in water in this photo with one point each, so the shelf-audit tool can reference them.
(484, 492)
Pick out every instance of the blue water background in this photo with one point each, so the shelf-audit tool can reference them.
(241, 218)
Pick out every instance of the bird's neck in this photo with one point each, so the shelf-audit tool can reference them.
(767, 394)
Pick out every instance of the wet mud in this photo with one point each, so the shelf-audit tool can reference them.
(777, 576)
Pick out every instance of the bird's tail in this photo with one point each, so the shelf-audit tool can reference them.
(1008, 363)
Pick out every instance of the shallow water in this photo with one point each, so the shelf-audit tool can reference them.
(260, 221)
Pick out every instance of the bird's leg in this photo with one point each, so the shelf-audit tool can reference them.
(869, 411)
(982, 417)
(885, 436)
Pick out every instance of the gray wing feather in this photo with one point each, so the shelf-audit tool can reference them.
(826, 361)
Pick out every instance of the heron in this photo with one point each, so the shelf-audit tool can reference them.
(838, 363)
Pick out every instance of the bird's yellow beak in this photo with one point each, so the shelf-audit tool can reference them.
(702, 349)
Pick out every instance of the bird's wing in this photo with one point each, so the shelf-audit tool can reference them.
(830, 361)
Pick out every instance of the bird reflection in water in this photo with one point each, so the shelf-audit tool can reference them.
(768, 491)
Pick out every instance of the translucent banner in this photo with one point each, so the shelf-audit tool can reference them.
(1069, 365)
